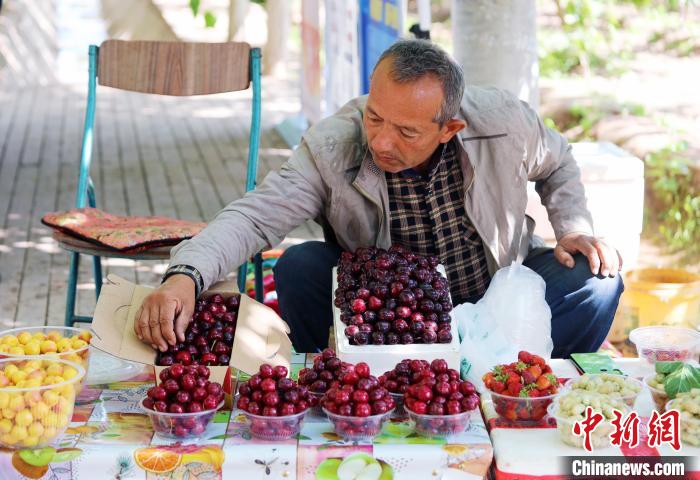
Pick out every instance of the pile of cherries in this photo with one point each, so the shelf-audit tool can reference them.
(437, 390)
(270, 393)
(389, 297)
(325, 373)
(358, 395)
(209, 336)
(185, 389)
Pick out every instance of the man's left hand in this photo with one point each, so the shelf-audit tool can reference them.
(602, 258)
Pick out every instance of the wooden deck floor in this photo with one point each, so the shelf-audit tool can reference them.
(182, 157)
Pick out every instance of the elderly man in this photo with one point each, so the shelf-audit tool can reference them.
(425, 163)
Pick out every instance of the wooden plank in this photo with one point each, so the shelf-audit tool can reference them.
(174, 68)
(137, 199)
(12, 218)
(34, 289)
(112, 163)
(198, 175)
(186, 202)
(21, 205)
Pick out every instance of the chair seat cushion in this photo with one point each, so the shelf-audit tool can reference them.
(126, 234)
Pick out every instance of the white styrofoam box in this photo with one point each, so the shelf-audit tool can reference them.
(614, 183)
(382, 358)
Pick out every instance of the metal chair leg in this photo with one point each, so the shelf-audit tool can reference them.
(97, 275)
(258, 276)
(72, 288)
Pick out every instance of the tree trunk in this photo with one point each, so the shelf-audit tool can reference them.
(278, 20)
(496, 44)
(237, 11)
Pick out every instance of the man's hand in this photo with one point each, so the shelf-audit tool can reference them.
(172, 301)
(602, 258)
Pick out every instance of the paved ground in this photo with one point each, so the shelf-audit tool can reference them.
(182, 157)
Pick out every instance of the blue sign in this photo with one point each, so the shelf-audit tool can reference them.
(380, 26)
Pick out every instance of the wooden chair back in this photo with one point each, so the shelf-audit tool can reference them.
(174, 68)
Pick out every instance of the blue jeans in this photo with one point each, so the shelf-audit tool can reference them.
(583, 305)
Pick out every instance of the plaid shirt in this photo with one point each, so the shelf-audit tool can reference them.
(428, 218)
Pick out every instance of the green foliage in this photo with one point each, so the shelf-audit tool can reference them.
(194, 6)
(681, 377)
(209, 17)
(593, 36)
(677, 200)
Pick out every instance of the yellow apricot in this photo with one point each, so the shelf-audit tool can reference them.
(8, 413)
(54, 335)
(19, 432)
(30, 441)
(17, 403)
(4, 381)
(5, 425)
(33, 347)
(54, 369)
(4, 348)
(49, 432)
(18, 376)
(50, 398)
(8, 439)
(10, 340)
(36, 429)
(16, 350)
(49, 420)
(40, 410)
(24, 418)
(10, 369)
(48, 346)
(85, 336)
(24, 337)
(4, 400)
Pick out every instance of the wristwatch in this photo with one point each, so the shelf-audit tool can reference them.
(191, 272)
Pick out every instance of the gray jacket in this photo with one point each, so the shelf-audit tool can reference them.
(331, 177)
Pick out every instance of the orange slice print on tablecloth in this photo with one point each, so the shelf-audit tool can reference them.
(157, 460)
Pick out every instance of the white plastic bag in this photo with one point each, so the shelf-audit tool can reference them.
(512, 316)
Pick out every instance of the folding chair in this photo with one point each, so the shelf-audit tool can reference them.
(161, 68)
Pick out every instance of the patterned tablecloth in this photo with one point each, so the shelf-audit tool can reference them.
(110, 437)
(535, 453)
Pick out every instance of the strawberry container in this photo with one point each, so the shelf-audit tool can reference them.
(666, 344)
(274, 428)
(439, 425)
(358, 428)
(180, 426)
(521, 410)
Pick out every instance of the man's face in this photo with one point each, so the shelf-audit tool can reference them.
(399, 122)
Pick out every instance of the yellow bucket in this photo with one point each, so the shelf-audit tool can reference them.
(657, 296)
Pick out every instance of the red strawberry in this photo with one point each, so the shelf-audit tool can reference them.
(528, 377)
(488, 380)
(512, 378)
(547, 369)
(535, 371)
(525, 357)
(534, 393)
(497, 386)
(543, 383)
(537, 360)
(514, 388)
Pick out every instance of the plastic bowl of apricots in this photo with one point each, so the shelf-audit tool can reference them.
(37, 397)
(66, 343)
